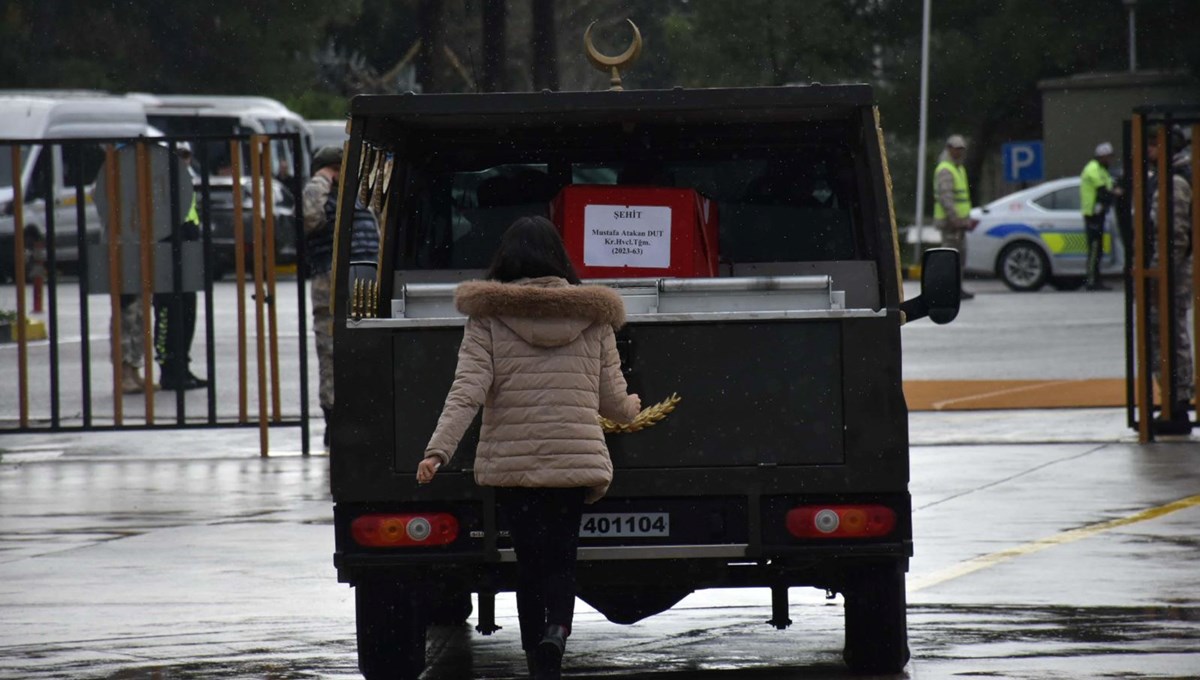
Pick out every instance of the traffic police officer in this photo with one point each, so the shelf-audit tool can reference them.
(1096, 194)
(952, 207)
(177, 313)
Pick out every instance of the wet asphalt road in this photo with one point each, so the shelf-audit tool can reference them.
(1047, 545)
(169, 556)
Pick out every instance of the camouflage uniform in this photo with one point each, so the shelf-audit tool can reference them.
(1181, 297)
(316, 193)
(132, 343)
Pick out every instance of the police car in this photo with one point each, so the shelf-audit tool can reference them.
(1036, 236)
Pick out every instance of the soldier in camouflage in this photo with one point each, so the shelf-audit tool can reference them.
(320, 210)
(132, 345)
(1181, 297)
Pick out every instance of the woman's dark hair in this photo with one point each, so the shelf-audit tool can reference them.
(531, 248)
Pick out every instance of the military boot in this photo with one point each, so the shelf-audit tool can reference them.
(1180, 422)
(131, 380)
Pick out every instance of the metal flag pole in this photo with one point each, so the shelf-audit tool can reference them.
(921, 139)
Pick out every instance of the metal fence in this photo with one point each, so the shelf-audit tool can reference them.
(151, 228)
(1156, 286)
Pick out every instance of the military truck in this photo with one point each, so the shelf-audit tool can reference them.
(776, 454)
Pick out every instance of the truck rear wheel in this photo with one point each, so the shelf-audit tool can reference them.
(391, 630)
(876, 624)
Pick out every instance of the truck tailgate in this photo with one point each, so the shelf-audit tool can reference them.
(751, 393)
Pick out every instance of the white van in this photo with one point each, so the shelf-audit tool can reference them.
(188, 114)
(31, 117)
(328, 133)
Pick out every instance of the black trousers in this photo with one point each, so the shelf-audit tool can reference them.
(1094, 227)
(175, 321)
(174, 329)
(544, 525)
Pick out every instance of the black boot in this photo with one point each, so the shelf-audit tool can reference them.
(175, 377)
(1180, 422)
(550, 653)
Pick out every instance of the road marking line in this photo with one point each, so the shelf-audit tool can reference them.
(938, 405)
(984, 561)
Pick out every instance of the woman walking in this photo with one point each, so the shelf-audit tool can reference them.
(539, 354)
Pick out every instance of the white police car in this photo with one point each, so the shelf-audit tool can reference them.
(1036, 236)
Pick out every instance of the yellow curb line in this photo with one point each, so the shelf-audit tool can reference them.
(984, 561)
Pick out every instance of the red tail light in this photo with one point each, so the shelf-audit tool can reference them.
(974, 223)
(402, 531)
(841, 521)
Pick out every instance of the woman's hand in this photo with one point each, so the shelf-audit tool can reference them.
(427, 469)
(636, 402)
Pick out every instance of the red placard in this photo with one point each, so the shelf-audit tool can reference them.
(635, 231)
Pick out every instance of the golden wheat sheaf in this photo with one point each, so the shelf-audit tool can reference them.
(648, 417)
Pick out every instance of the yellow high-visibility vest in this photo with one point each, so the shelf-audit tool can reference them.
(193, 215)
(1094, 176)
(962, 192)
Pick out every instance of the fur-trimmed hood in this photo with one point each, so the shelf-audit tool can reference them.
(546, 311)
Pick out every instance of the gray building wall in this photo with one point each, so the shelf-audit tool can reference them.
(1080, 111)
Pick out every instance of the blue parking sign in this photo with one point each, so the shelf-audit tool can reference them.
(1023, 162)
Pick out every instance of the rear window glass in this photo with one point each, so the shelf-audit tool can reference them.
(776, 206)
(1063, 199)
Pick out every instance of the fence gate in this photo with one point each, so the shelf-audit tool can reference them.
(142, 271)
(1164, 274)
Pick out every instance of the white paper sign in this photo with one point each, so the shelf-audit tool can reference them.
(627, 236)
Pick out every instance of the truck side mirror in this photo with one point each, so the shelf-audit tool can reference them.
(941, 283)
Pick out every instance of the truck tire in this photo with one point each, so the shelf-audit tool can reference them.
(391, 630)
(876, 622)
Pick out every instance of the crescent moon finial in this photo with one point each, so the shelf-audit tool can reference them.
(613, 64)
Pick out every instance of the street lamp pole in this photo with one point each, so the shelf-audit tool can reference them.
(921, 137)
(1131, 5)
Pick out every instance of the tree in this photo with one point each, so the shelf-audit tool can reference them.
(772, 42)
(544, 46)
(220, 46)
(429, 54)
(987, 57)
(494, 49)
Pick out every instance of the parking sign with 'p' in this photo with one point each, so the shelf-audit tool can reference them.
(1023, 162)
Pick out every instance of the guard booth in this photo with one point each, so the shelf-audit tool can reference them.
(1162, 162)
(113, 236)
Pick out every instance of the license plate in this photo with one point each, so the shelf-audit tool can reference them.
(622, 524)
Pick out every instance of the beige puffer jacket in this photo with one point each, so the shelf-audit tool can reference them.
(540, 356)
